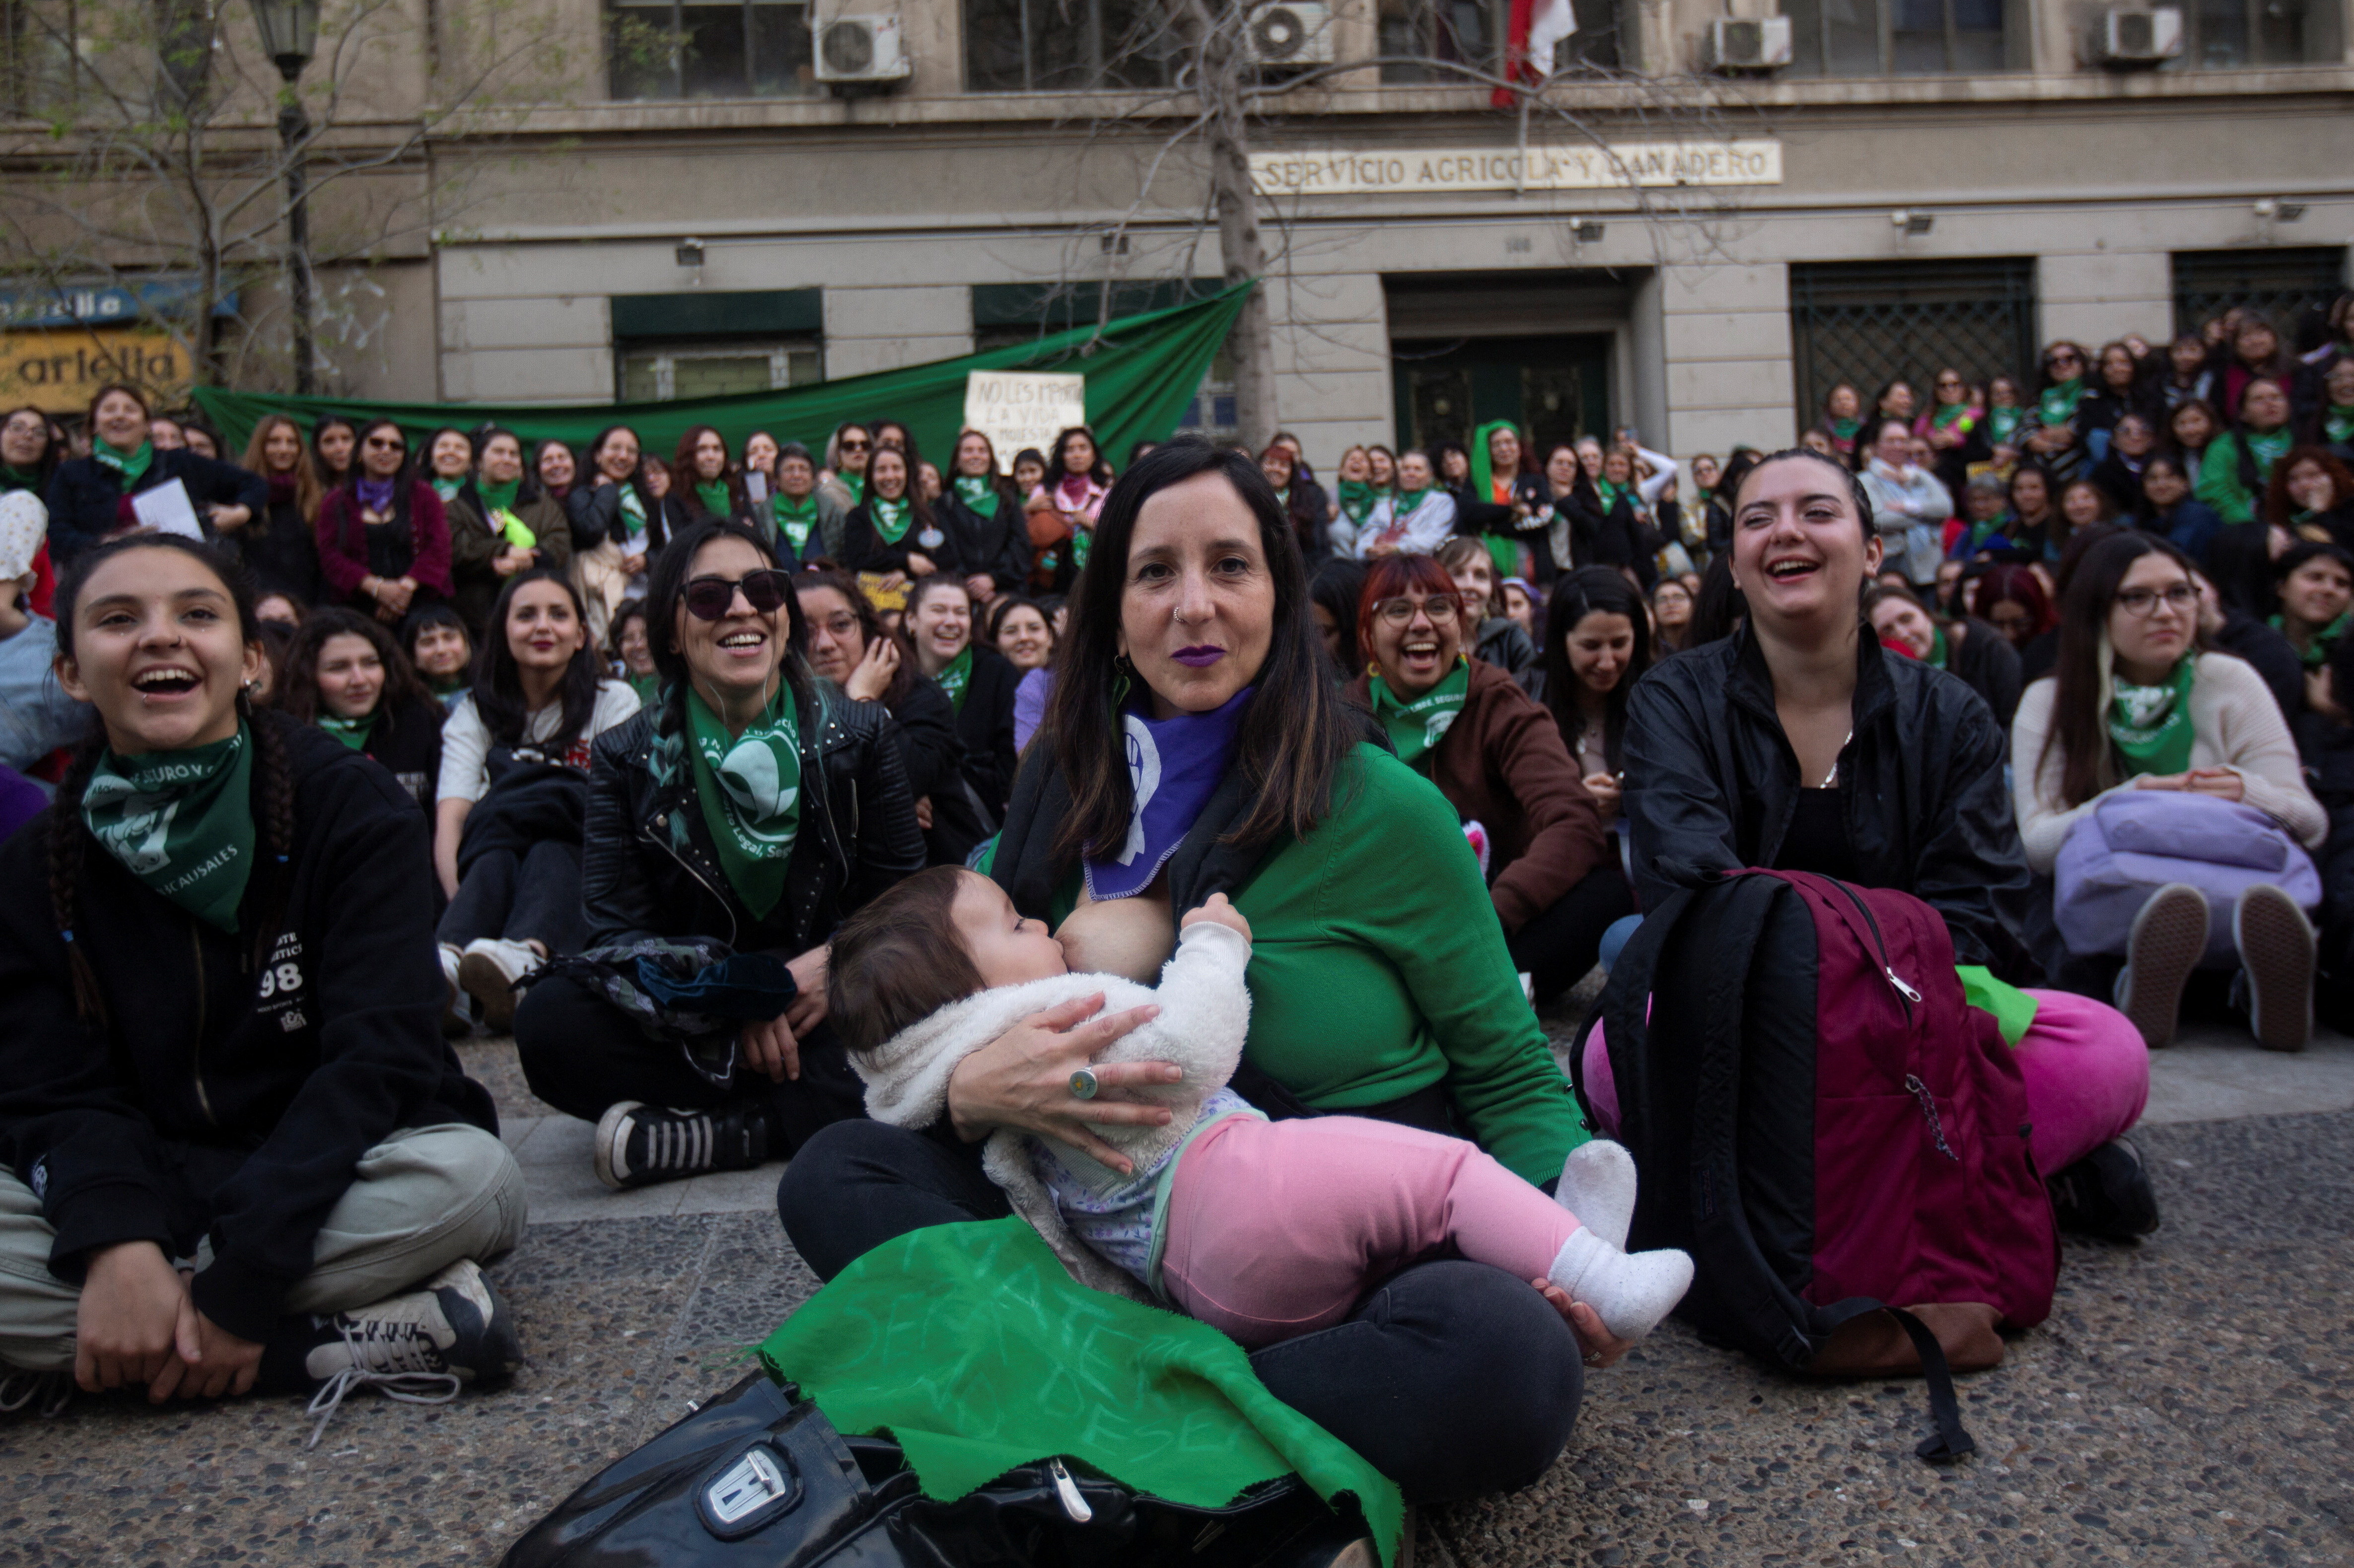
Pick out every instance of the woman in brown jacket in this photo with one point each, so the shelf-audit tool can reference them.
(1498, 759)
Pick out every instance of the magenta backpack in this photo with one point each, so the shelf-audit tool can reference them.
(1833, 1133)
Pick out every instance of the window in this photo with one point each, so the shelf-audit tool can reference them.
(36, 56)
(1905, 37)
(2281, 284)
(667, 347)
(1870, 322)
(689, 49)
(1006, 313)
(1472, 33)
(2222, 34)
(1064, 45)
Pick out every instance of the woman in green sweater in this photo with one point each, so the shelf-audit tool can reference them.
(1379, 980)
(2232, 475)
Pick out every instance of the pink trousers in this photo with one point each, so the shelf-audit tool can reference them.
(1276, 1228)
(2087, 1072)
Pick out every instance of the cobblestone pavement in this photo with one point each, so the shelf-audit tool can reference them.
(2186, 1403)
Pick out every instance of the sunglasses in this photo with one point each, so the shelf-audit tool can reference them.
(378, 444)
(854, 446)
(710, 598)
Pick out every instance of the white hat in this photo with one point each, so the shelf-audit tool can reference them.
(23, 524)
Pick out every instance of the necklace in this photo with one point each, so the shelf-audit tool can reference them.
(1830, 780)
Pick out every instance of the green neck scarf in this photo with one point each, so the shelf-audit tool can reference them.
(1483, 465)
(1417, 726)
(180, 822)
(449, 686)
(1845, 429)
(2150, 725)
(14, 478)
(978, 493)
(648, 687)
(1609, 494)
(447, 489)
(750, 788)
(498, 497)
(1938, 649)
(633, 509)
(855, 483)
(890, 517)
(716, 499)
(2317, 653)
(1408, 501)
(352, 732)
(1947, 414)
(795, 517)
(956, 675)
(1981, 532)
(2269, 449)
(2338, 423)
(128, 467)
(2001, 422)
(1357, 500)
(2058, 402)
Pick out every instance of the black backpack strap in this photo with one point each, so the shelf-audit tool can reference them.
(1623, 1000)
(1951, 1440)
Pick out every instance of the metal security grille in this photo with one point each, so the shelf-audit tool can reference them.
(1871, 322)
(2281, 283)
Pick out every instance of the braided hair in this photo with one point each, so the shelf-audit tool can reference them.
(273, 785)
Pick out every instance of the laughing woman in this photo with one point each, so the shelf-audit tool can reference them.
(980, 685)
(90, 498)
(891, 533)
(305, 1137)
(502, 524)
(346, 675)
(984, 511)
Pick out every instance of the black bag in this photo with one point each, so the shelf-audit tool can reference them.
(758, 1476)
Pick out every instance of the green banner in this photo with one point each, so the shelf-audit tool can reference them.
(1142, 371)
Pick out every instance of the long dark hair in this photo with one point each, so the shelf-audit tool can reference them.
(404, 479)
(273, 785)
(1592, 590)
(2079, 727)
(328, 477)
(527, 488)
(1001, 482)
(1100, 473)
(297, 691)
(871, 628)
(1337, 588)
(666, 590)
(920, 511)
(1293, 733)
(684, 475)
(498, 682)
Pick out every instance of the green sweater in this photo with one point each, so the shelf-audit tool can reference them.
(2219, 480)
(1378, 968)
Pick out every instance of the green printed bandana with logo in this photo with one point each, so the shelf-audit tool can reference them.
(2151, 725)
(796, 518)
(180, 822)
(128, 467)
(1357, 500)
(446, 488)
(353, 732)
(956, 675)
(2058, 402)
(979, 492)
(890, 518)
(1417, 726)
(749, 786)
(716, 498)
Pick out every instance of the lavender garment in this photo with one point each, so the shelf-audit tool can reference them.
(1174, 766)
(1029, 705)
(21, 800)
(376, 494)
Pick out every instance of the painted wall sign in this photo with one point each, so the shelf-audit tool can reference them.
(99, 305)
(58, 371)
(1564, 168)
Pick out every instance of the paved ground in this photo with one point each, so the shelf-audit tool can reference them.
(2187, 1403)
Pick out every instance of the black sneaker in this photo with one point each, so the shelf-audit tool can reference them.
(638, 1144)
(420, 1347)
(2274, 984)
(2169, 938)
(2106, 1194)
(46, 1392)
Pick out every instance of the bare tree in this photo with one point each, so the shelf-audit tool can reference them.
(139, 137)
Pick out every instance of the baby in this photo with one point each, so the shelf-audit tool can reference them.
(1267, 1230)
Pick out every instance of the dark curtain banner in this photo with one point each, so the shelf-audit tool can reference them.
(1142, 371)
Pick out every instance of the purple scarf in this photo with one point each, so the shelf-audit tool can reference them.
(376, 494)
(1173, 768)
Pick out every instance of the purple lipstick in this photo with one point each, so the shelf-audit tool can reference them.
(1200, 658)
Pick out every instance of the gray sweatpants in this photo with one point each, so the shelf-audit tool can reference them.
(418, 1202)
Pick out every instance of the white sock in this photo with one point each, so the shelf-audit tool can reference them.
(1597, 1185)
(1631, 1291)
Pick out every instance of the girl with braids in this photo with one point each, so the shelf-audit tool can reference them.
(217, 1027)
(515, 760)
(752, 804)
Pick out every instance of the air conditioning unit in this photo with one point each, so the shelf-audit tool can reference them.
(1751, 43)
(861, 48)
(2137, 36)
(1293, 35)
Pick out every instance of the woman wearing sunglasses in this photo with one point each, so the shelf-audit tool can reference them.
(384, 539)
(2055, 426)
(751, 805)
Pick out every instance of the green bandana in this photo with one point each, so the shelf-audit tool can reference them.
(1609, 494)
(1357, 500)
(1845, 429)
(513, 529)
(447, 489)
(1408, 502)
(716, 499)
(750, 789)
(956, 675)
(2317, 654)
(855, 483)
(498, 497)
(978, 493)
(2058, 402)
(1083, 538)
(14, 478)
(890, 518)
(1949, 414)
(2150, 725)
(648, 687)
(128, 466)
(180, 822)
(2337, 422)
(1937, 650)
(1981, 532)
(353, 733)
(449, 686)
(1416, 727)
(796, 518)
(2001, 422)
(634, 510)
(2269, 450)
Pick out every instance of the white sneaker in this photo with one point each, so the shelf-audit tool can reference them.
(457, 1017)
(493, 969)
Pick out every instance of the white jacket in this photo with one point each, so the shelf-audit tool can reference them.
(1426, 529)
(1204, 1015)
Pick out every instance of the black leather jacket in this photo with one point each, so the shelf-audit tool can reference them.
(858, 836)
(1712, 783)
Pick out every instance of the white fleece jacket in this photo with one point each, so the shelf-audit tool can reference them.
(2235, 724)
(1204, 1015)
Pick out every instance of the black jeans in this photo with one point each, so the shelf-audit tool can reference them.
(1453, 1378)
(534, 895)
(580, 1054)
(1559, 945)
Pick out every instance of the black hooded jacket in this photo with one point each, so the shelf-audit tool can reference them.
(1711, 784)
(225, 1099)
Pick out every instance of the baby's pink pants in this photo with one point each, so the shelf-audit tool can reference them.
(1277, 1228)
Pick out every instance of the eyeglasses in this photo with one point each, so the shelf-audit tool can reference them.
(840, 628)
(1439, 607)
(710, 598)
(2145, 601)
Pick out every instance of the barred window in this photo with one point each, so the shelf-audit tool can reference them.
(1907, 37)
(1065, 46)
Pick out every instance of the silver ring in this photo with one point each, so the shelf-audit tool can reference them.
(1084, 1085)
